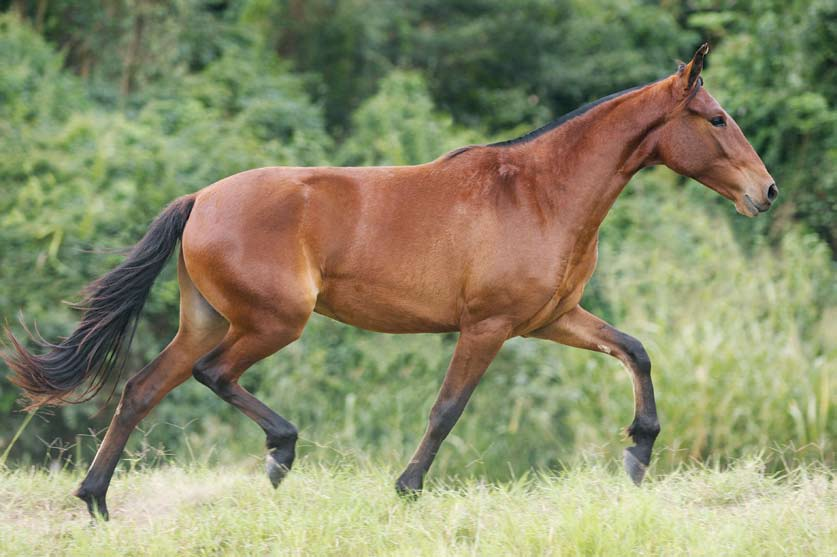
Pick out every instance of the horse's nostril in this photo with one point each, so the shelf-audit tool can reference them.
(772, 193)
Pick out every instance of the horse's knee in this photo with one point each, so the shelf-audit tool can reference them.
(644, 429)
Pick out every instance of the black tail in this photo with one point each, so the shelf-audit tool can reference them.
(111, 308)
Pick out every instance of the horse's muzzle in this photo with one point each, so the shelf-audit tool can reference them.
(769, 197)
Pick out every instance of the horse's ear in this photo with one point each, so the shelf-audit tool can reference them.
(689, 73)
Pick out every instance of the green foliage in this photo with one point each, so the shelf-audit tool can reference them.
(127, 45)
(33, 85)
(349, 44)
(399, 125)
(642, 41)
(494, 64)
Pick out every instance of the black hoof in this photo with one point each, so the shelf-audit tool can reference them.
(633, 465)
(409, 488)
(278, 463)
(96, 505)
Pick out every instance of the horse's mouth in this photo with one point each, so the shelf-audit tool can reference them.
(752, 210)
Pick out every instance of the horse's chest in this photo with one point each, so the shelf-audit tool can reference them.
(579, 270)
(569, 277)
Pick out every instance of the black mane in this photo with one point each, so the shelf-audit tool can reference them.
(562, 119)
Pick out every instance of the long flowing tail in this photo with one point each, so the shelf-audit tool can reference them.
(111, 308)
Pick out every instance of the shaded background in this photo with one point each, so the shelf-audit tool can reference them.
(108, 110)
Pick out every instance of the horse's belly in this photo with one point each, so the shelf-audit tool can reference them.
(378, 307)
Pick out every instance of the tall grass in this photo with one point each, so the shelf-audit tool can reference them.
(351, 510)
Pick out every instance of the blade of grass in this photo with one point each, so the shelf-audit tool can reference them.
(17, 434)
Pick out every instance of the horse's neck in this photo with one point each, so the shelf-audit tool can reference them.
(586, 163)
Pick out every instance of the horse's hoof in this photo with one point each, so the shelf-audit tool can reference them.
(277, 465)
(96, 505)
(408, 488)
(633, 466)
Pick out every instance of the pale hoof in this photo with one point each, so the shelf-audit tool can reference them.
(633, 466)
(276, 471)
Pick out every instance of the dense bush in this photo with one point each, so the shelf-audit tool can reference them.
(399, 125)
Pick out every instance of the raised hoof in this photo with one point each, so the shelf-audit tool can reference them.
(408, 488)
(277, 465)
(633, 466)
(96, 505)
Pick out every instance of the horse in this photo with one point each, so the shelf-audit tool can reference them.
(491, 241)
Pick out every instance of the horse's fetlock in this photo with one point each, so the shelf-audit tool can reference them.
(283, 439)
(644, 428)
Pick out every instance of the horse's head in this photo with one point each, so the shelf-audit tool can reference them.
(701, 140)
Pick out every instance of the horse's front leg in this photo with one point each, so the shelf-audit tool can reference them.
(476, 348)
(582, 329)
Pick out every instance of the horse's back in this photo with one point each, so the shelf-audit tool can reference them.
(361, 243)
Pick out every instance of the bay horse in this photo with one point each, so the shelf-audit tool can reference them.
(491, 241)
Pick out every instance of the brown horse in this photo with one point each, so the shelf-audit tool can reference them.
(493, 241)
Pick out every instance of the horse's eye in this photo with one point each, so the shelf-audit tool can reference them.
(718, 121)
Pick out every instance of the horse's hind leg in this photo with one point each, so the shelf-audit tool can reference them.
(220, 369)
(266, 286)
(200, 330)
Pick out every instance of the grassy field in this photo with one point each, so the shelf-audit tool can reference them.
(353, 511)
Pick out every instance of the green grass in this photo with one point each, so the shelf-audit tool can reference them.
(351, 510)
